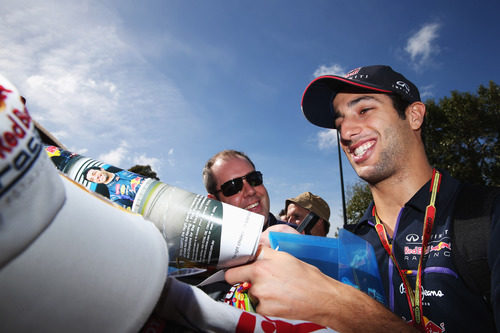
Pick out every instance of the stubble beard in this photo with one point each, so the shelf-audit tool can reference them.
(389, 160)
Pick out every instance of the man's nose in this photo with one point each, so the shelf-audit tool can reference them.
(350, 127)
(247, 188)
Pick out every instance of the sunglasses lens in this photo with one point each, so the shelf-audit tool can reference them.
(235, 185)
(254, 178)
(232, 187)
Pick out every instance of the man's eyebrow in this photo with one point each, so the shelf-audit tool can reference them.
(354, 102)
(360, 99)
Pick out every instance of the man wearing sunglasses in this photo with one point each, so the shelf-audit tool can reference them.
(230, 176)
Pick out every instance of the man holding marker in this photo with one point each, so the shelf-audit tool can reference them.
(379, 115)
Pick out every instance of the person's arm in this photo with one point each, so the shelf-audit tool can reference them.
(284, 286)
(285, 228)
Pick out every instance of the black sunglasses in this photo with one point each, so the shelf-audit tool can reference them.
(233, 186)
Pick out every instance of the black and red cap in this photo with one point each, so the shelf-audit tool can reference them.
(318, 97)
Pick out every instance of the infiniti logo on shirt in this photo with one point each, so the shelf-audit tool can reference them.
(412, 238)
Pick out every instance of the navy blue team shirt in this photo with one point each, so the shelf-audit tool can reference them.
(447, 303)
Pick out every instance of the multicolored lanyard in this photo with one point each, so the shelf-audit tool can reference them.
(414, 297)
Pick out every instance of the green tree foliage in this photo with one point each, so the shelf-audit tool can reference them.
(461, 135)
(359, 198)
(144, 170)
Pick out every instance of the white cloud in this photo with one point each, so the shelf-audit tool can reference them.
(327, 139)
(153, 162)
(421, 45)
(116, 156)
(123, 157)
(84, 79)
(329, 70)
(426, 91)
(171, 160)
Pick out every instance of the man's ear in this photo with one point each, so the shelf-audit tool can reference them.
(415, 114)
(211, 196)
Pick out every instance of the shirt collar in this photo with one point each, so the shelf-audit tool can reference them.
(420, 199)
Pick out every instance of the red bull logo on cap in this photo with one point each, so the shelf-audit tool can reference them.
(3, 96)
(19, 143)
(353, 72)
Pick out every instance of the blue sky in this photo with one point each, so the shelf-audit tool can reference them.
(170, 83)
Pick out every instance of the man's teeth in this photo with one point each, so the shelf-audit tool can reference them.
(252, 206)
(363, 148)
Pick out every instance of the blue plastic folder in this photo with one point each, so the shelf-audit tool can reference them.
(348, 258)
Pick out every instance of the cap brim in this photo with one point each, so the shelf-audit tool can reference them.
(95, 267)
(318, 98)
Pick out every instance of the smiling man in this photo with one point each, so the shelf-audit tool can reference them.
(99, 176)
(411, 223)
(230, 176)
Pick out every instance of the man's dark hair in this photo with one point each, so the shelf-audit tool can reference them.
(399, 104)
(208, 176)
(86, 171)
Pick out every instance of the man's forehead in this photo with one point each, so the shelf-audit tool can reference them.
(295, 208)
(231, 167)
(230, 161)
